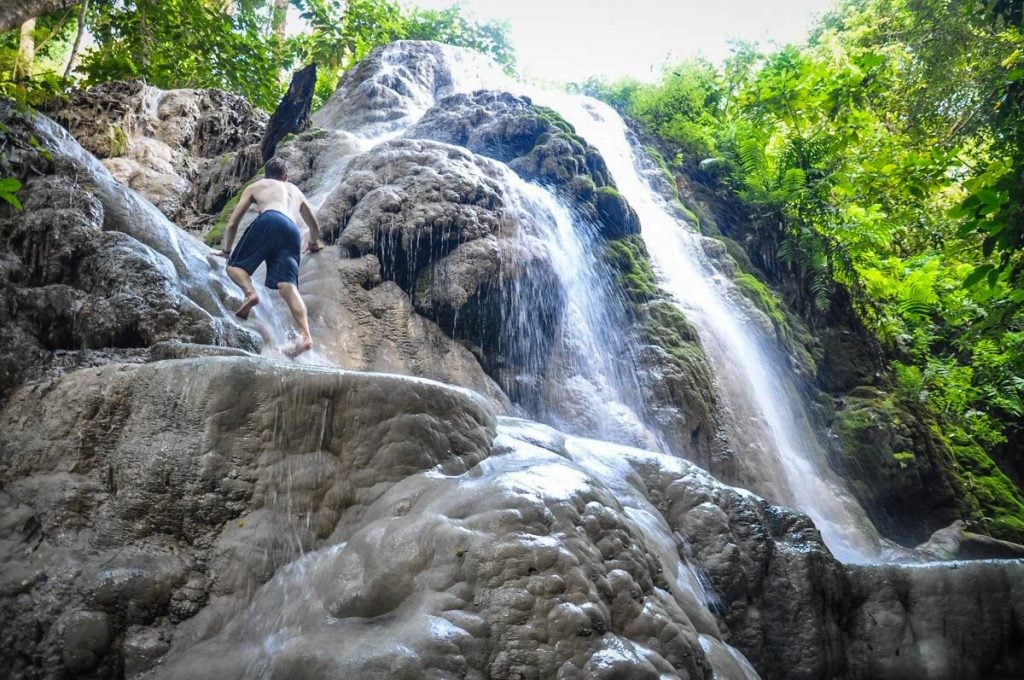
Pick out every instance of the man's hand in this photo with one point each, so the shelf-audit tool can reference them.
(223, 253)
(314, 247)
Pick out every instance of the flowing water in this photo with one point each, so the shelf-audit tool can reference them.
(590, 386)
(589, 381)
(774, 443)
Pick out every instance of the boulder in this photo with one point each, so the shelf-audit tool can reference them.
(446, 227)
(538, 144)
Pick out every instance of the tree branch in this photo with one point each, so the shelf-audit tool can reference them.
(15, 12)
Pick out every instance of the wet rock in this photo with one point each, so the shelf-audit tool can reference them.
(87, 636)
(149, 488)
(396, 83)
(897, 468)
(227, 514)
(538, 145)
(88, 270)
(444, 227)
(159, 142)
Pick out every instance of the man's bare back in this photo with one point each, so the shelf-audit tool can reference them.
(273, 194)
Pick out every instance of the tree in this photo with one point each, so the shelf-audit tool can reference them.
(83, 9)
(26, 57)
(14, 14)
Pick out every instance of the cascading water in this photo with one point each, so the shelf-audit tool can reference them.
(585, 390)
(589, 382)
(766, 421)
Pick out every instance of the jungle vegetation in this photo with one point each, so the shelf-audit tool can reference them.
(242, 46)
(880, 163)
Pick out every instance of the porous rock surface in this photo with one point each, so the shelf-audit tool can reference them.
(232, 517)
(90, 272)
(395, 84)
(538, 145)
(186, 151)
(444, 225)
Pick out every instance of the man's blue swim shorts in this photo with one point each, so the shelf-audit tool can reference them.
(272, 238)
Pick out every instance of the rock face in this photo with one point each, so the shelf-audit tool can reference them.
(538, 145)
(221, 517)
(148, 499)
(178, 148)
(78, 282)
(394, 85)
(443, 226)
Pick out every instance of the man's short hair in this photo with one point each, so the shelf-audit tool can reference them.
(275, 168)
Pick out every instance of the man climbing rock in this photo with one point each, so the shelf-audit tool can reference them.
(273, 238)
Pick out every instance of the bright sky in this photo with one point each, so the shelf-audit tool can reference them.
(569, 40)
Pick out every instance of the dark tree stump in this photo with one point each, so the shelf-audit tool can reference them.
(292, 114)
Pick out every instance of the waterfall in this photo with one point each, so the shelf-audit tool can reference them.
(589, 383)
(590, 386)
(765, 420)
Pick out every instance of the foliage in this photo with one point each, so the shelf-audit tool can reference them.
(53, 35)
(9, 187)
(184, 43)
(881, 163)
(232, 45)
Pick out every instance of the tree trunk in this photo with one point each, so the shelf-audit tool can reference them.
(292, 114)
(16, 12)
(78, 38)
(280, 18)
(26, 51)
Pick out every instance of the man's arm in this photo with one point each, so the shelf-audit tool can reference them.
(244, 201)
(314, 226)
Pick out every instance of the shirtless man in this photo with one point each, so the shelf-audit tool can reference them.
(273, 238)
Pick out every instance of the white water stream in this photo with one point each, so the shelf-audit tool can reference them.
(589, 389)
(766, 418)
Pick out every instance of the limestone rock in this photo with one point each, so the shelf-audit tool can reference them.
(538, 145)
(79, 279)
(443, 226)
(132, 495)
(396, 83)
(211, 517)
(159, 142)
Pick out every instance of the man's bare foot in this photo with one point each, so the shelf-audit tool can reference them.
(251, 300)
(301, 345)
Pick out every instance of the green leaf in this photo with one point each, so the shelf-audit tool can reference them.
(977, 275)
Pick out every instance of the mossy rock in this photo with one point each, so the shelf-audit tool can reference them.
(627, 258)
(538, 145)
(220, 225)
(619, 218)
(1000, 504)
(763, 298)
(913, 478)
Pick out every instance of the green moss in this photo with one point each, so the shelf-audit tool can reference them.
(665, 325)
(627, 258)
(582, 186)
(1001, 506)
(737, 253)
(609, 191)
(762, 297)
(216, 233)
(117, 140)
(669, 175)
